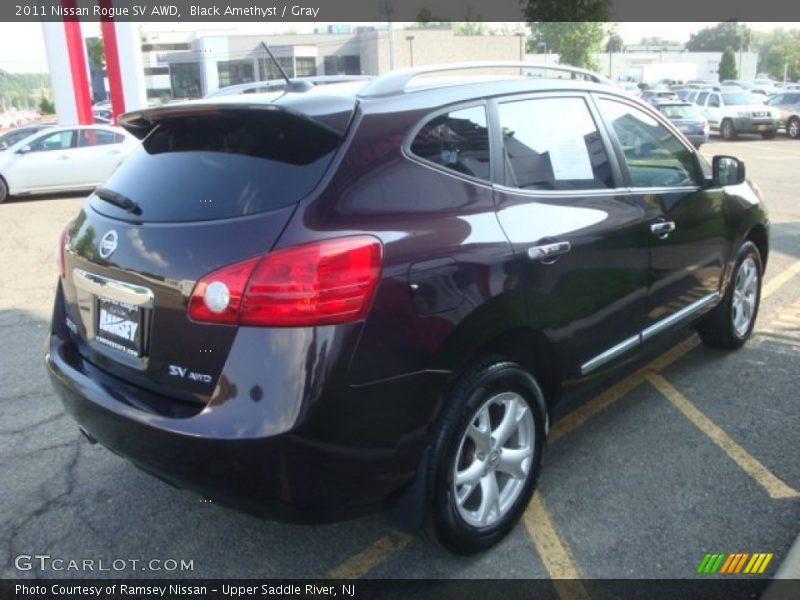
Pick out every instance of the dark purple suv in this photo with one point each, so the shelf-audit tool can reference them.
(316, 304)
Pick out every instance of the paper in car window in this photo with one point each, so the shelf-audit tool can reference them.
(570, 158)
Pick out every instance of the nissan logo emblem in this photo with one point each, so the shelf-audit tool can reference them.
(108, 244)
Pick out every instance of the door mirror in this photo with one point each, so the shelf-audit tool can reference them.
(727, 170)
(24, 150)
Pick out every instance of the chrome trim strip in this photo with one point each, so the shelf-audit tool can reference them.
(562, 193)
(675, 318)
(662, 325)
(120, 291)
(611, 354)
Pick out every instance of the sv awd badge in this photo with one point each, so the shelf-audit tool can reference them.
(184, 373)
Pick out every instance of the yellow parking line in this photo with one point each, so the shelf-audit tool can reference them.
(362, 563)
(554, 554)
(779, 280)
(775, 487)
(602, 401)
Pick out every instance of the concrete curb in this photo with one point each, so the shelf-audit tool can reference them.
(786, 583)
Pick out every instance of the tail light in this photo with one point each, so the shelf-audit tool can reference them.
(320, 283)
(61, 249)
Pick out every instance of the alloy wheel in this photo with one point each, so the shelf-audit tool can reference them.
(745, 296)
(793, 130)
(494, 459)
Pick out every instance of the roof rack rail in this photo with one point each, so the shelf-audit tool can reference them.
(279, 84)
(396, 81)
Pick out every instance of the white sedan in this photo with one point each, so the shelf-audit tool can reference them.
(63, 159)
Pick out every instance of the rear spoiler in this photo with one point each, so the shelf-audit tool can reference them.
(140, 123)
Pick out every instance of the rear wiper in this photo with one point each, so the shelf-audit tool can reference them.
(117, 199)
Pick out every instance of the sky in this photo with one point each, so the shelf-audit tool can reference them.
(22, 46)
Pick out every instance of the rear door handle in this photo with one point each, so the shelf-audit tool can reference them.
(547, 252)
(662, 229)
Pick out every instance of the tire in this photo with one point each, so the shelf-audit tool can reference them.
(726, 130)
(769, 135)
(731, 323)
(461, 518)
(793, 128)
(3, 191)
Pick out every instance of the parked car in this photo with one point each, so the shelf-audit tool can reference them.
(314, 305)
(62, 159)
(768, 86)
(787, 106)
(735, 112)
(12, 136)
(752, 87)
(655, 96)
(687, 118)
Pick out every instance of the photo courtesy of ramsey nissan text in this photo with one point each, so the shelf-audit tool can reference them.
(369, 299)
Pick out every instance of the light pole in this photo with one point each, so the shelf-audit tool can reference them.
(410, 39)
(521, 35)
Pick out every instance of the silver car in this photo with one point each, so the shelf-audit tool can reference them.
(788, 107)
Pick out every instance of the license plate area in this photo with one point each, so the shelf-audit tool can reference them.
(762, 127)
(119, 326)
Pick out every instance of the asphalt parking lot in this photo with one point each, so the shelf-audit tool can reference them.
(693, 452)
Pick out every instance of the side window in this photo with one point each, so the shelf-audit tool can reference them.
(655, 157)
(791, 99)
(55, 141)
(553, 144)
(95, 137)
(713, 101)
(701, 98)
(458, 141)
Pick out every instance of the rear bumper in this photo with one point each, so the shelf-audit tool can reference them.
(322, 468)
(697, 138)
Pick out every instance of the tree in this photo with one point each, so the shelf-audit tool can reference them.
(657, 42)
(717, 38)
(94, 50)
(575, 43)
(566, 10)
(727, 66)
(46, 106)
(615, 43)
(777, 50)
(471, 28)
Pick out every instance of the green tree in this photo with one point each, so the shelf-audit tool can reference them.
(46, 106)
(471, 28)
(566, 10)
(94, 50)
(777, 50)
(717, 38)
(727, 66)
(614, 43)
(575, 43)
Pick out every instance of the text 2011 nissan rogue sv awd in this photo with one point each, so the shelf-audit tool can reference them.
(316, 304)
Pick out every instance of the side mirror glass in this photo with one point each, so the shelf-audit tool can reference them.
(727, 170)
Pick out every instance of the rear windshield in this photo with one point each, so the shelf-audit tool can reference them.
(219, 165)
(679, 111)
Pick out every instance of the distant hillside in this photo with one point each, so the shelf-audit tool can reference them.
(22, 90)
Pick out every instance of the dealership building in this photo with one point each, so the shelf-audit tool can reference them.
(191, 65)
(192, 68)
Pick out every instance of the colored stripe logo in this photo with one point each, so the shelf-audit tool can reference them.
(735, 563)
